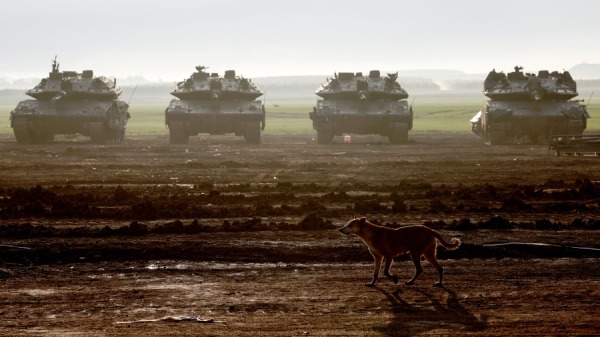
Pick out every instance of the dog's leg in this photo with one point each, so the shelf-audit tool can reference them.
(376, 273)
(416, 259)
(386, 270)
(430, 256)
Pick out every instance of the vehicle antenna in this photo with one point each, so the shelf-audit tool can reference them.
(264, 112)
(133, 92)
(589, 99)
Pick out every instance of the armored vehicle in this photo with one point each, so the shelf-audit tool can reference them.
(68, 103)
(528, 108)
(353, 103)
(575, 145)
(212, 104)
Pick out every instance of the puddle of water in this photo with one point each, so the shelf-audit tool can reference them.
(537, 244)
(172, 265)
(38, 292)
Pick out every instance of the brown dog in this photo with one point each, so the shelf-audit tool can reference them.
(388, 243)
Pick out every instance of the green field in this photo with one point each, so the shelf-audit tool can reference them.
(437, 113)
(431, 113)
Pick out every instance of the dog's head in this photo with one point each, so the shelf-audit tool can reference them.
(353, 226)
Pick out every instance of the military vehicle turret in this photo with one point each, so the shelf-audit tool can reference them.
(68, 102)
(528, 108)
(208, 103)
(353, 103)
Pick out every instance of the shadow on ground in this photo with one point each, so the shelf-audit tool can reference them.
(430, 314)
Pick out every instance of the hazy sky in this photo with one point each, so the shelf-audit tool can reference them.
(166, 39)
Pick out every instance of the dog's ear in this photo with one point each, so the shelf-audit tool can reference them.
(363, 220)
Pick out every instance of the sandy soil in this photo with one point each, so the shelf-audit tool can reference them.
(220, 238)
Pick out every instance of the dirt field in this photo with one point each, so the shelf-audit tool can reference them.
(220, 238)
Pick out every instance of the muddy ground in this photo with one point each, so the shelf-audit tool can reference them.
(139, 238)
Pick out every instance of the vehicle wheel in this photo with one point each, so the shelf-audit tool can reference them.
(97, 132)
(38, 136)
(252, 132)
(496, 134)
(177, 133)
(324, 133)
(575, 130)
(43, 138)
(398, 133)
(121, 136)
(115, 136)
(22, 134)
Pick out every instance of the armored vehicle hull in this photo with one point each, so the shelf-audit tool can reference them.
(529, 108)
(359, 104)
(189, 118)
(392, 119)
(69, 102)
(215, 105)
(504, 122)
(36, 121)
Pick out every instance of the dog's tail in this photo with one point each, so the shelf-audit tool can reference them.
(450, 246)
